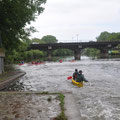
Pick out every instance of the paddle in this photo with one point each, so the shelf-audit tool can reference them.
(69, 78)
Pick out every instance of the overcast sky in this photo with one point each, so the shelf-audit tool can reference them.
(78, 20)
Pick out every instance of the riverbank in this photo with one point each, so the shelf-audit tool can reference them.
(9, 76)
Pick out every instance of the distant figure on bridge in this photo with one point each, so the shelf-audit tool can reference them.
(75, 74)
(80, 77)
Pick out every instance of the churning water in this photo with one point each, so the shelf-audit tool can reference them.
(99, 99)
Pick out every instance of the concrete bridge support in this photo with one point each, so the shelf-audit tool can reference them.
(49, 55)
(77, 54)
(103, 53)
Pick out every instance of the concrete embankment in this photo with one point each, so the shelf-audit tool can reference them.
(7, 79)
(71, 110)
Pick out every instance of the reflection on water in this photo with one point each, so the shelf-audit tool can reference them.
(99, 99)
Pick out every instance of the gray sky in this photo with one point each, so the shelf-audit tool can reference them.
(78, 20)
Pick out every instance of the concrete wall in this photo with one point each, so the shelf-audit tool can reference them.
(1, 64)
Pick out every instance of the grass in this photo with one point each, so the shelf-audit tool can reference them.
(61, 116)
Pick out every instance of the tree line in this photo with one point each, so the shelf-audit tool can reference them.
(103, 37)
(22, 54)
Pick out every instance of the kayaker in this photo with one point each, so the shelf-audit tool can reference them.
(75, 74)
(80, 77)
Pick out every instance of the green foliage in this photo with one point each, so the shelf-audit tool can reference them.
(14, 16)
(91, 52)
(49, 39)
(16, 54)
(21, 53)
(27, 41)
(63, 52)
(34, 55)
(61, 116)
(114, 37)
(106, 36)
(45, 39)
(37, 40)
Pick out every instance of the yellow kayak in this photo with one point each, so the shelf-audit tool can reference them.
(79, 84)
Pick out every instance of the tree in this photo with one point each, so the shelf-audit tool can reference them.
(114, 37)
(37, 40)
(63, 52)
(91, 52)
(49, 39)
(34, 55)
(106, 36)
(14, 16)
(17, 54)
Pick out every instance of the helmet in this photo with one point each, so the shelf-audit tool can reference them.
(76, 70)
(80, 71)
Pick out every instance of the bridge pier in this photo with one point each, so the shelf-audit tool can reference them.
(77, 54)
(49, 55)
(103, 53)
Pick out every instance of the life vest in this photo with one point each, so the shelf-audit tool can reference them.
(76, 75)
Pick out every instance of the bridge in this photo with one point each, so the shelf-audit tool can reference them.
(77, 47)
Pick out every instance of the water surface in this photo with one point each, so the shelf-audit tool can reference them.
(99, 99)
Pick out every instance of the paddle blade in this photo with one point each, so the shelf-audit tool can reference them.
(70, 77)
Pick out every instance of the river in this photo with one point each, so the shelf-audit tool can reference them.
(99, 99)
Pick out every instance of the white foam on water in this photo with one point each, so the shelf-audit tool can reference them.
(93, 100)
